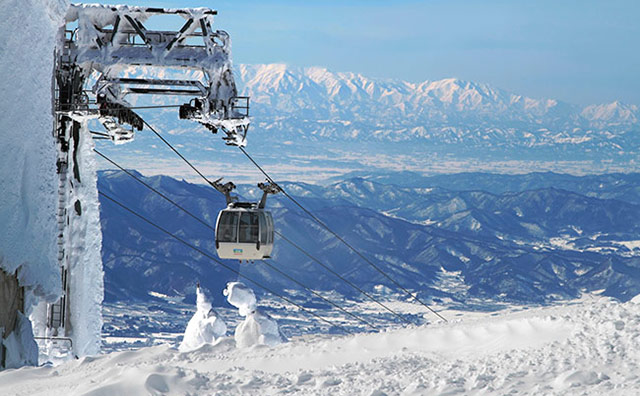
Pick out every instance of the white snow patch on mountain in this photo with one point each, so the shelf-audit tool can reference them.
(333, 96)
(612, 112)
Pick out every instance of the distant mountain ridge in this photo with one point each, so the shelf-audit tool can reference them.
(342, 120)
(279, 90)
(619, 186)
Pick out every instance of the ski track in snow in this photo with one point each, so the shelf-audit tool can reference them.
(590, 347)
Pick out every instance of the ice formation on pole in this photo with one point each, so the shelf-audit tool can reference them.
(28, 180)
(204, 327)
(85, 282)
(28, 168)
(85, 262)
(258, 328)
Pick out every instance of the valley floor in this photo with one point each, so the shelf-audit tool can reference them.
(591, 346)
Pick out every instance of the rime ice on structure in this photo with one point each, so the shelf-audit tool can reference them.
(103, 44)
(28, 179)
(46, 237)
(258, 328)
(204, 327)
(85, 262)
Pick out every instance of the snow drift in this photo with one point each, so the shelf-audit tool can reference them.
(587, 347)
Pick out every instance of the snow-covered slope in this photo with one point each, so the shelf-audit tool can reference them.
(586, 348)
(317, 119)
(611, 113)
(313, 103)
(305, 89)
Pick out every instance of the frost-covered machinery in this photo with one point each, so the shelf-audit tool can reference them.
(106, 54)
(111, 45)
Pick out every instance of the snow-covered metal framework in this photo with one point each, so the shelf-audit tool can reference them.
(97, 43)
(108, 38)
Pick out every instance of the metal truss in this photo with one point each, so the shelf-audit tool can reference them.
(107, 39)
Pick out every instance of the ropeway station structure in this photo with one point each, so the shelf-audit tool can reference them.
(104, 56)
(94, 47)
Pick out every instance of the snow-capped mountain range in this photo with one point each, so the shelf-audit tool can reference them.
(346, 121)
(350, 105)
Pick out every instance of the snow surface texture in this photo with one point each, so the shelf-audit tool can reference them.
(258, 328)
(28, 179)
(588, 347)
(204, 327)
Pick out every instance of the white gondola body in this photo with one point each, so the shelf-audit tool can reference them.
(244, 233)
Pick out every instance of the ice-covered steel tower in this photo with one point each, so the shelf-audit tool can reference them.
(96, 45)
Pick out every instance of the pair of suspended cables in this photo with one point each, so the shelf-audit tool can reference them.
(207, 255)
(289, 241)
(272, 181)
(274, 268)
(344, 242)
(364, 293)
(176, 151)
(414, 297)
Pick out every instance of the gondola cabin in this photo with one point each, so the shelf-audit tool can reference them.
(244, 232)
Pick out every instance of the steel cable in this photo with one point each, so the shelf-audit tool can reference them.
(213, 229)
(322, 224)
(205, 254)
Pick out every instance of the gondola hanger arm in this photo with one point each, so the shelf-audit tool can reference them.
(225, 189)
(267, 188)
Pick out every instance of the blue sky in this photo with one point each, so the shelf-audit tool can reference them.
(580, 51)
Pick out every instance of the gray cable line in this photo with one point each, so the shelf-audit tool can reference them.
(220, 262)
(152, 189)
(317, 220)
(342, 278)
(213, 229)
(310, 214)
